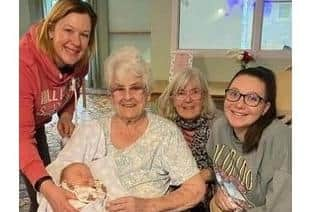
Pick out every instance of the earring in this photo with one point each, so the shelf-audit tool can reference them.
(51, 36)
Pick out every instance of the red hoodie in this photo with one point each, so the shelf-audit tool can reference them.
(43, 91)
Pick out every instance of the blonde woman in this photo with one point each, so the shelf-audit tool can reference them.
(54, 56)
(186, 101)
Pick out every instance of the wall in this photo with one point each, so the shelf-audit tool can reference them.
(223, 69)
(160, 38)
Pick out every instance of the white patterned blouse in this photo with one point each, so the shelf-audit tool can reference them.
(158, 159)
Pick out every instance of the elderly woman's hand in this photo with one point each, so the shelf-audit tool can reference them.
(65, 125)
(130, 204)
(224, 202)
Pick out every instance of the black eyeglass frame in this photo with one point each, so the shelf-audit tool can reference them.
(244, 95)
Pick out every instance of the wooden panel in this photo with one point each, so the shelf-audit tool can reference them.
(284, 93)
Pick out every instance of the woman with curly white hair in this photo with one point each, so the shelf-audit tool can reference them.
(148, 151)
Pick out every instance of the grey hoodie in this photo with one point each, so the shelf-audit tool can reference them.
(262, 176)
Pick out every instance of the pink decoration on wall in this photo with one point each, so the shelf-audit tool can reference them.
(180, 60)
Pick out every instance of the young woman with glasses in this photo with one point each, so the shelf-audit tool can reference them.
(250, 149)
(187, 102)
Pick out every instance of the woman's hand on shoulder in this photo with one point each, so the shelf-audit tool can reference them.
(65, 125)
(130, 204)
(57, 197)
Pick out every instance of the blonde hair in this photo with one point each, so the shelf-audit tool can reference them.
(127, 60)
(180, 80)
(61, 9)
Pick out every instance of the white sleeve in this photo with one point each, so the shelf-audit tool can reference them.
(86, 144)
(177, 158)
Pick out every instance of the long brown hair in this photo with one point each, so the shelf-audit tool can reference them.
(61, 9)
(254, 132)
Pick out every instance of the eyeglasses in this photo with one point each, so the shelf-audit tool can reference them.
(195, 94)
(251, 99)
(135, 90)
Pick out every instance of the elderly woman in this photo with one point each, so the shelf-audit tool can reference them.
(250, 148)
(148, 152)
(186, 101)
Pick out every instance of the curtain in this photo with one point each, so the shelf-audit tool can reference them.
(93, 74)
(95, 78)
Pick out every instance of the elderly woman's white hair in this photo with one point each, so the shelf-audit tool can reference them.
(179, 81)
(127, 60)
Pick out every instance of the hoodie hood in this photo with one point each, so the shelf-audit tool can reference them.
(28, 46)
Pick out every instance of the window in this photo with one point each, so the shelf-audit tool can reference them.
(262, 26)
(47, 6)
(276, 30)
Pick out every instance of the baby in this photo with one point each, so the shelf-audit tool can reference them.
(78, 179)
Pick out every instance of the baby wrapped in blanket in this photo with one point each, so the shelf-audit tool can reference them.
(78, 179)
(83, 180)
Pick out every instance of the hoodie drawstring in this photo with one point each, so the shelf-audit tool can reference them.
(75, 118)
(73, 88)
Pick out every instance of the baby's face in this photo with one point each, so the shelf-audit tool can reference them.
(79, 175)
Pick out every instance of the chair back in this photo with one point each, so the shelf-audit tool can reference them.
(284, 93)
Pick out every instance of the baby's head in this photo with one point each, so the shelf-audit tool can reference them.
(78, 179)
(77, 174)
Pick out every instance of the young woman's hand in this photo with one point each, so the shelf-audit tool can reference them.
(130, 204)
(65, 125)
(57, 197)
(224, 202)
